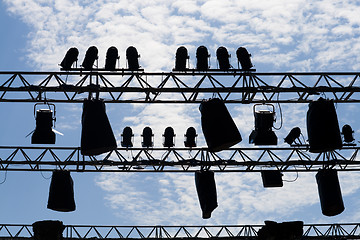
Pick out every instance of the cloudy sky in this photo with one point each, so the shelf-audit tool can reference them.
(282, 36)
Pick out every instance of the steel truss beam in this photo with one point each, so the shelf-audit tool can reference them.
(178, 87)
(310, 231)
(295, 159)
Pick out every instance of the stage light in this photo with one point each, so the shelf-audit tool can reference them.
(71, 56)
(217, 125)
(206, 190)
(132, 58)
(97, 136)
(90, 56)
(323, 127)
(147, 136)
(169, 137)
(281, 231)
(243, 57)
(48, 229)
(61, 194)
(43, 133)
(190, 137)
(264, 120)
(127, 137)
(272, 178)
(329, 192)
(223, 58)
(347, 132)
(112, 57)
(181, 59)
(202, 57)
(293, 135)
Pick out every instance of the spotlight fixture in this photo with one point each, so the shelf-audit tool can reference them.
(347, 132)
(190, 137)
(217, 125)
(169, 137)
(148, 137)
(286, 230)
(263, 134)
(97, 136)
(43, 133)
(127, 137)
(202, 56)
(223, 58)
(293, 135)
(132, 58)
(71, 56)
(112, 56)
(48, 229)
(322, 126)
(61, 193)
(272, 178)
(243, 57)
(206, 190)
(181, 59)
(90, 56)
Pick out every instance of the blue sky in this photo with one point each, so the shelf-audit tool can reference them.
(281, 36)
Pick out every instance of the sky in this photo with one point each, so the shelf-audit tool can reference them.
(282, 36)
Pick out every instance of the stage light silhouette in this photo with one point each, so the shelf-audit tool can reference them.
(206, 190)
(90, 56)
(223, 58)
(202, 57)
(112, 57)
(48, 229)
(263, 133)
(71, 56)
(147, 137)
(181, 58)
(347, 132)
(190, 137)
(281, 231)
(132, 57)
(127, 137)
(272, 178)
(43, 133)
(293, 135)
(244, 59)
(169, 137)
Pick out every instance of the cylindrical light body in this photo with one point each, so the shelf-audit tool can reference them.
(223, 58)
(90, 56)
(169, 137)
(43, 133)
(69, 59)
(46, 230)
(293, 135)
(206, 190)
(190, 137)
(202, 57)
(181, 58)
(112, 56)
(348, 133)
(147, 136)
(132, 58)
(244, 58)
(127, 136)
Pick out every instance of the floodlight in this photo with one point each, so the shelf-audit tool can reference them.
(112, 57)
(347, 132)
(127, 137)
(202, 57)
(264, 120)
(90, 56)
(147, 136)
(223, 58)
(61, 193)
(243, 57)
(97, 136)
(272, 178)
(43, 133)
(190, 137)
(132, 58)
(206, 190)
(48, 229)
(181, 58)
(280, 231)
(169, 137)
(71, 56)
(293, 135)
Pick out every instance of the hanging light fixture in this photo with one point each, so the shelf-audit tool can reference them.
(147, 136)
(90, 56)
(243, 57)
(169, 137)
(48, 229)
(181, 58)
(223, 58)
(347, 132)
(281, 231)
(112, 56)
(71, 56)
(206, 190)
(272, 178)
(132, 58)
(44, 133)
(202, 56)
(263, 133)
(293, 135)
(217, 125)
(190, 137)
(127, 137)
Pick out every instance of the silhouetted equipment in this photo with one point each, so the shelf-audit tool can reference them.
(243, 57)
(272, 178)
(223, 58)
(97, 136)
(147, 137)
(169, 137)
(90, 56)
(329, 192)
(61, 194)
(181, 59)
(347, 132)
(293, 135)
(202, 56)
(263, 133)
(323, 127)
(281, 231)
(132, 57)
(217, 125)
(44, 133)
(190, 137)
(48, 230)
(206, 190)
(112, 57)
(127, 137)
(71, 56)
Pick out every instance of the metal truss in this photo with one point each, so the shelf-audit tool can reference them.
(178, 87)
(310, 231)
(292, 159)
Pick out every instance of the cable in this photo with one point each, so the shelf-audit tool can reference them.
(281, 118)
(4, 178)
(297, 176)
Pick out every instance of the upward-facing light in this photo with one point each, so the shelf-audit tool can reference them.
(69, 59)
(181, 58)
(190, 137)
(169, 137)
(132, 57)
(223, 58)
(127, 137)
(90, 56)
(112, 57)
(243, 57)
(347, 132)
(147, 137)
(293, 135)
(202, 56)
